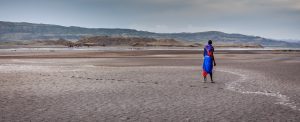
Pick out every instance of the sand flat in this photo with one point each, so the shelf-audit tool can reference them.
(148, 85)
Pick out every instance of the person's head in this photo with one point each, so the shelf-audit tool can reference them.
(209, 42)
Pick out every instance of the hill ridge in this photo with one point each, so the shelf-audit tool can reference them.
(22, 31)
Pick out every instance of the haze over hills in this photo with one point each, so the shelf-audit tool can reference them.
(23, 31)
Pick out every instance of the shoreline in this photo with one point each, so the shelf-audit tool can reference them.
(121, 48)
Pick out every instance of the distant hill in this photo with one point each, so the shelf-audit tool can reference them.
(22, 31)
(131, 41)
(104, 41)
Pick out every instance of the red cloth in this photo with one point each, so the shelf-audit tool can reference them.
(204, 73)
(209, 53)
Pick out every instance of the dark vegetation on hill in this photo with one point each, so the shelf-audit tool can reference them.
(132, 41)
(107, 41)
(117, 41)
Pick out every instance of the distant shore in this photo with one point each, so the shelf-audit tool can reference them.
(55, 47)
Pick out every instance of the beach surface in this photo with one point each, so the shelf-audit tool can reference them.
(148, 85)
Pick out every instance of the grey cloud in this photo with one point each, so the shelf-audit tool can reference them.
(269, 18)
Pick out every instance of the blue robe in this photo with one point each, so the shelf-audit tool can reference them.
(207, 60)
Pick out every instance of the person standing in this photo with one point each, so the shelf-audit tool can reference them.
(208, 61)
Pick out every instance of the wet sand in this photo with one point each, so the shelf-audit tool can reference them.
(148, 85)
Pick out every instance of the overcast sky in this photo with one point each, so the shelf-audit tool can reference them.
(277, 19)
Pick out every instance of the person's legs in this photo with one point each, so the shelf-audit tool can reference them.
(204, 74)
(211, 77)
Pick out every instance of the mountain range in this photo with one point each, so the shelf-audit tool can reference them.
(23, 31)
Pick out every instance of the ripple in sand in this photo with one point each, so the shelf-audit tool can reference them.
(236, 86)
